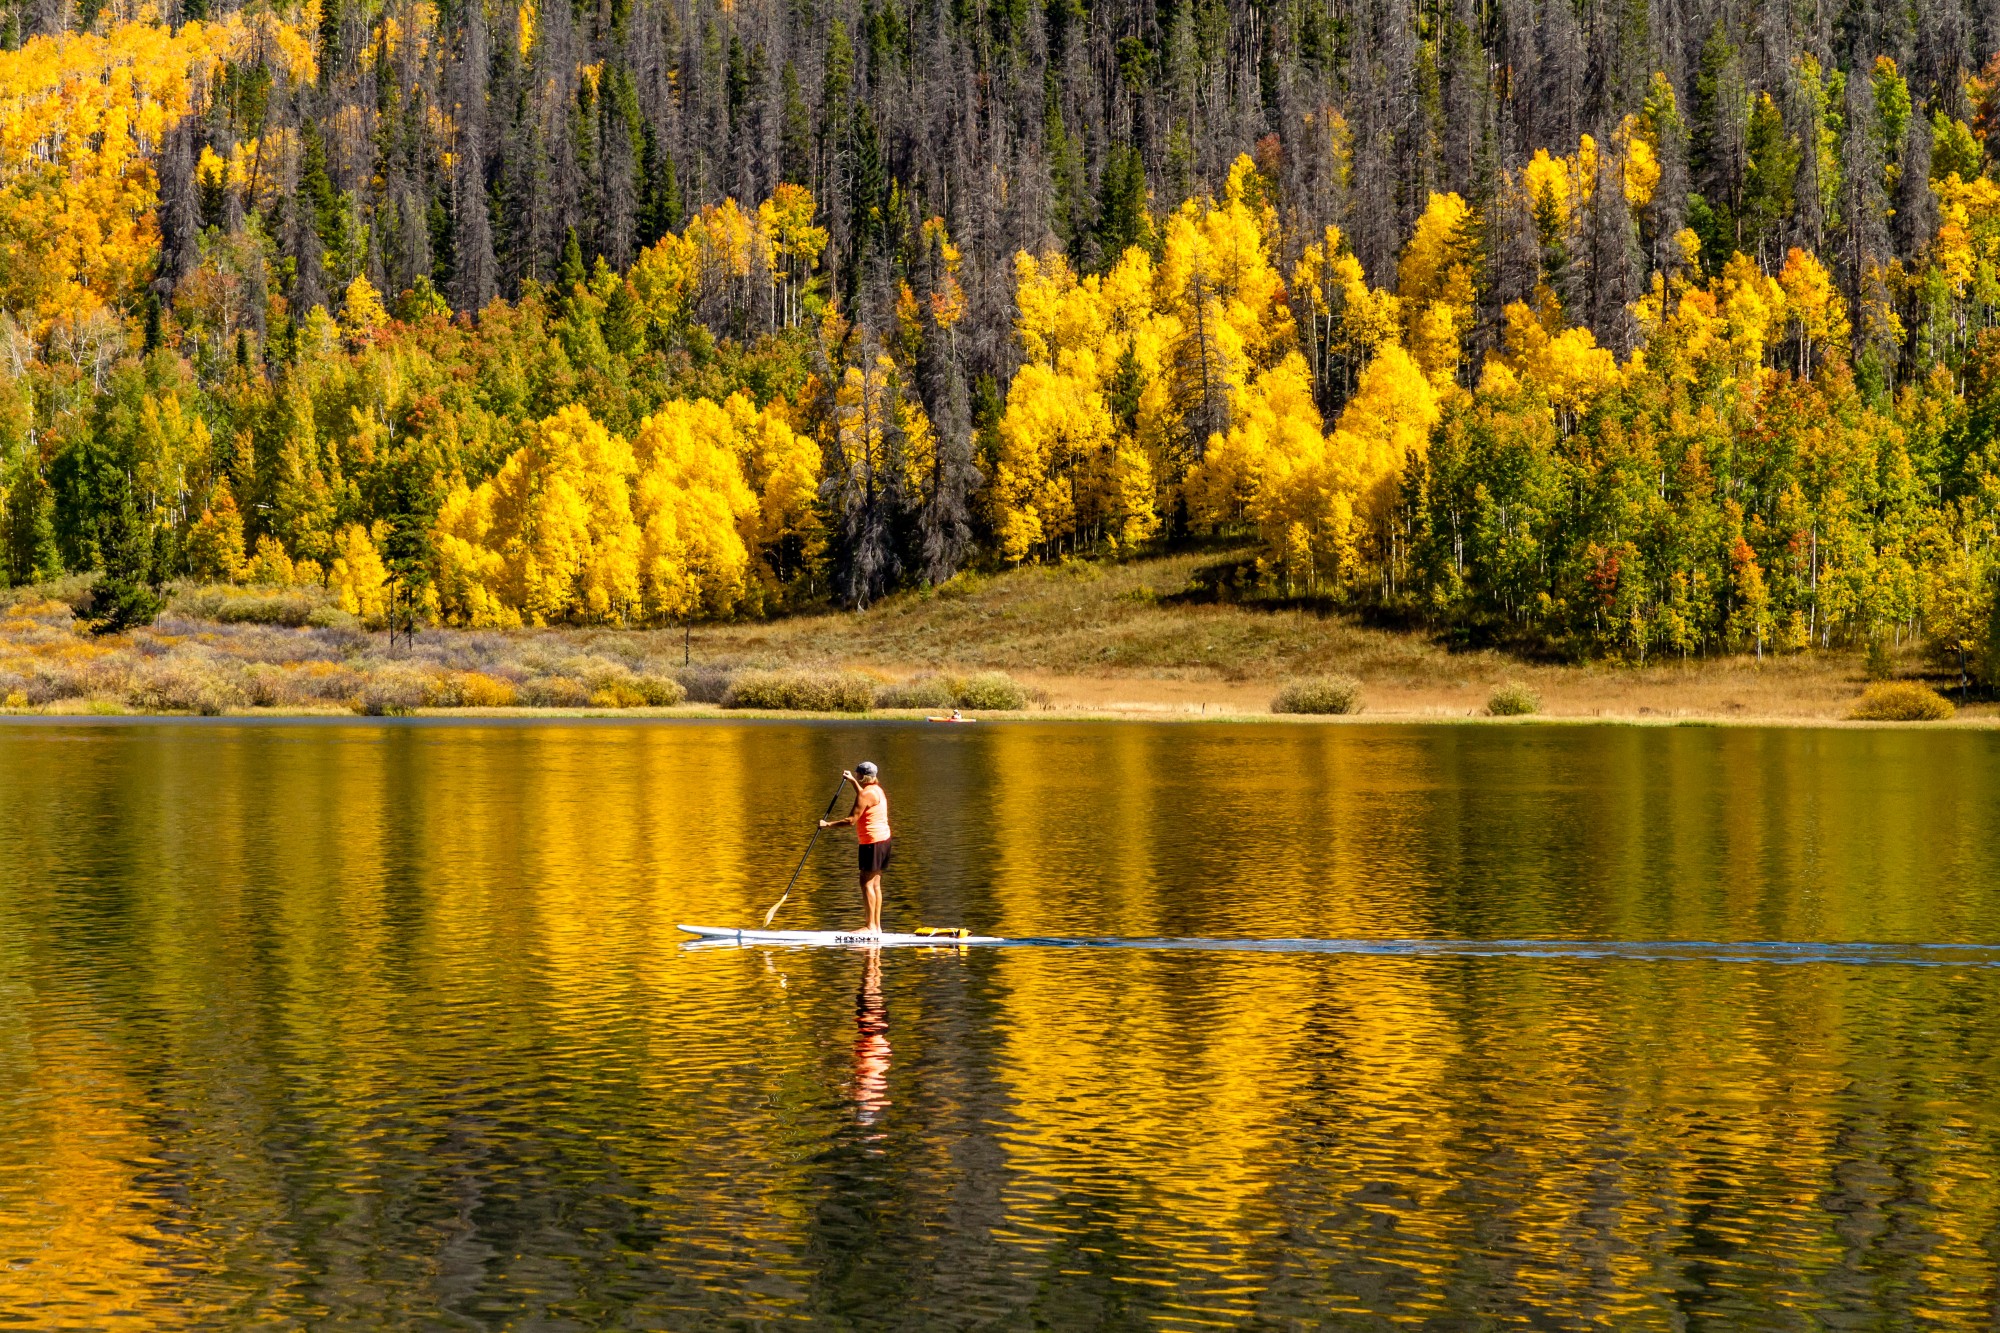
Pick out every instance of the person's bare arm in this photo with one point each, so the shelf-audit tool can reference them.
(852, 814)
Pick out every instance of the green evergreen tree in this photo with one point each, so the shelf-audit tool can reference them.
(572, 274)
(1121, 209)
(1770, 184)
(408, 494)
(32, 553)
(127, 590)
(660, 191)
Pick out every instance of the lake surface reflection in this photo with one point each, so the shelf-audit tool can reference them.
(388, 1026)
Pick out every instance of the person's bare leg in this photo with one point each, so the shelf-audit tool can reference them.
(871, 902)
(871, 891)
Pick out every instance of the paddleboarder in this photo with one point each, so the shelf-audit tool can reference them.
(870, 818)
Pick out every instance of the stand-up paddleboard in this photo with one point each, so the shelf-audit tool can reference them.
(842, 939)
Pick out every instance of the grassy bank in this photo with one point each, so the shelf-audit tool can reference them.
(1137, 639)
(1145, 638)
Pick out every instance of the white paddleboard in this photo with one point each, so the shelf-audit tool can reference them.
(839, 939)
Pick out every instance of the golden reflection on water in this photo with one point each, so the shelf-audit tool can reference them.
(390, 1024)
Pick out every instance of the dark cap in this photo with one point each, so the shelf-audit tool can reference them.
(864, 769)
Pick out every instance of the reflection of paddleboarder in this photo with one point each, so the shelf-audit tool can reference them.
(871, 1044)
(870, 818)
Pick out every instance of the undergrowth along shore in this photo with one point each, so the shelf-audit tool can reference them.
(1139, 637)
(184, 665)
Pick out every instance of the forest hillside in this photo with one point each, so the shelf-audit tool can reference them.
(1625, 329)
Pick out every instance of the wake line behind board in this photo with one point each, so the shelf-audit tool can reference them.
(1717, 951)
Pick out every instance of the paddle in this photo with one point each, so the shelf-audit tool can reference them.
(808, 852)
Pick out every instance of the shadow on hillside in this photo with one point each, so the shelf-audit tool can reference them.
(1234, 581)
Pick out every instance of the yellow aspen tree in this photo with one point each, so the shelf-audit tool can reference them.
(695, 511)
(1057, 312)
(465, 569)
(1818, 315)
(663, 280)
(1638, 143)
(270, 567)
(1437, 280)
(1568, 368)
(357, 576)
(215, 541)
(947, 297)
(362, 312)
(1751, 306)
(562, 523)
(794, 245)
(1313, 295)
(1258, 471)
(1386, 424)
(1062, 475)
(783, 467)
(1215, 276)
(1366, 319)
(727, 248)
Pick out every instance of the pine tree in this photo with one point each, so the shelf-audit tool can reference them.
(1122, 220)
(33, 554)
(409, 495)
(126, 592)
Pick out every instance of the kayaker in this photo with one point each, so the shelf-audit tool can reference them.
(870, 818)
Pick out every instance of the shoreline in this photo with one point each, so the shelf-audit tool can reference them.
(1984, 720)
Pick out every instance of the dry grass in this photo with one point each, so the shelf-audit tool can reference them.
(1126, 639)
(1082, 618)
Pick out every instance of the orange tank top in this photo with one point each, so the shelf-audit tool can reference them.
(871, 815)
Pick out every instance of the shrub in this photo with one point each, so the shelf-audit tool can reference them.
(703, 684)
(989, 691)
(992, 691)
(659, 691)
(332, 617)
(268, 685)
(594, 670)
(617, 694)
(1902, 701)
(1514, 700)
(46, 680)
(72, 590)
(1319, 694)
(470, 689)
(802, 691)
(554, 692)
(177, 684)
(292, 607)
(392, 691)
(918, 692)
(325, 682)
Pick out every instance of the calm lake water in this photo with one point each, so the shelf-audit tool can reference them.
(388, 1026)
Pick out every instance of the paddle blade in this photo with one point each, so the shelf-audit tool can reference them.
(774, 908)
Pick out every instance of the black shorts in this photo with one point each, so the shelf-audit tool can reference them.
(875, 856)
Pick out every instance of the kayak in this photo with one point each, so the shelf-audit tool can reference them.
(840, 939)
(951, 719)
